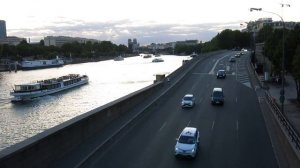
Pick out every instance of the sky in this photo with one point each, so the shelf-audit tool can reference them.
(149, 21)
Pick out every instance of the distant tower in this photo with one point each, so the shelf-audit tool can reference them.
(130, 44)
(2, 29)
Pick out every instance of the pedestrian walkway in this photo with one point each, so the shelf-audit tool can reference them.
(291, 106)
(284, 152)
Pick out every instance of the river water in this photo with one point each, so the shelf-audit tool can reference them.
(109, 80)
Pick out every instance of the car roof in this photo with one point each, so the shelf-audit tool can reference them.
(221, 70)
(189, 95)
(189, 131)
(217, 90)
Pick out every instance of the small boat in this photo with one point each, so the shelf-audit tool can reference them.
(38, 64)
(118, 58)
(157, 60)
(36, 89)
(194, 55)
(146, 55)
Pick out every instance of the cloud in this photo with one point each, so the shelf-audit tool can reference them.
(120, 31)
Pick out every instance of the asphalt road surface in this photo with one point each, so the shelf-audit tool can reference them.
(232, 135)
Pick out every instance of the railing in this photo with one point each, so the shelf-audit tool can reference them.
(288, 128)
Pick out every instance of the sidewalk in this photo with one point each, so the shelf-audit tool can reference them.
(291, 106)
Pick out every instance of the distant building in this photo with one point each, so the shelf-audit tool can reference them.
(60, 40)
(163, 46)
(11, 40)
(2, 29)
(256, 26)
(133, 45)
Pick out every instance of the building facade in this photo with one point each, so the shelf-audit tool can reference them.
(256, 26)
(133, 45)
(11, 40)
(2, 29)
(58, 41)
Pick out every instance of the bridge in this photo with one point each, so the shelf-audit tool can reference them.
(139, 130)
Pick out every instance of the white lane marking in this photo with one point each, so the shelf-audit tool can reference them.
(200, 73)
(236, 99)
(227, 68)
(212, 70)
(194, 86)
(237, 129)
(188, 123)
(213, 124)
(200, 100)
(162, 126)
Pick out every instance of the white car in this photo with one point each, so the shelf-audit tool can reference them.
(188, 101)
(187, 143)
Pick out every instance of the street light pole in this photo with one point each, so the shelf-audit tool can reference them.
(283, 56)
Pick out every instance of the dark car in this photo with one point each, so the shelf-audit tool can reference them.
(217, 96)
(231, 59)
(221, 74)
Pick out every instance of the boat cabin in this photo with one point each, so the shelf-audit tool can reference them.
(27, 87)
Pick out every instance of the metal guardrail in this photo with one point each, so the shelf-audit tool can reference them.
(288, 127)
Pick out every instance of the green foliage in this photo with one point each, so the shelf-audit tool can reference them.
(296, 63)
(263, 34)
(296, 70)
(274, 43)
(187, 49)
(77, 50)
(228, 39)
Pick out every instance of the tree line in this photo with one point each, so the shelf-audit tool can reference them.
(227, 39)
(282, 41)
(76, 50)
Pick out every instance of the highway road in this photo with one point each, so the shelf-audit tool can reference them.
(233, 135)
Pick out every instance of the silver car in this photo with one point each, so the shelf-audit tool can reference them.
(187, 143)
(188, 101)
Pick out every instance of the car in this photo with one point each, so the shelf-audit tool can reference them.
(188, 101)
(187, 143)
(221, 74)
(231, 59)
(217, 96)
(237, 55)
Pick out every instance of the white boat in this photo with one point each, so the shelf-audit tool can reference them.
(37, 64)
(30, 91)
(118, 58)
(194, 55)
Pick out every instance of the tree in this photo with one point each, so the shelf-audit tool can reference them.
(296, 71)
(264, 34)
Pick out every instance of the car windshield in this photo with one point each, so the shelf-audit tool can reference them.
(186, 140)
(221, 72)
(217, 94)
(187, 98)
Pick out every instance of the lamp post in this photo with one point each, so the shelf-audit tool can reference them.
(283, 57)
